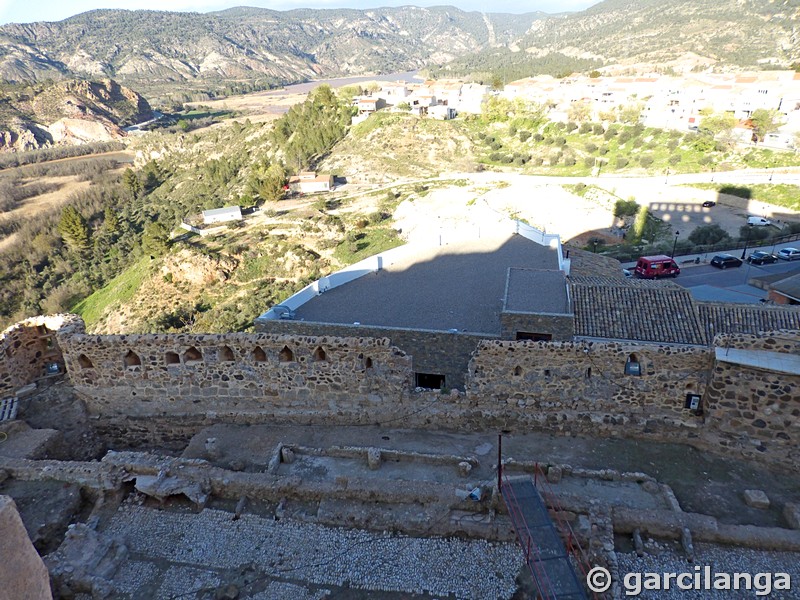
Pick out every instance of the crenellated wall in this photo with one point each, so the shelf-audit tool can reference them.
(161, 389)
(28, 346)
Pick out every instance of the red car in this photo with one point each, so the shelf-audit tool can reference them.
(653, 267)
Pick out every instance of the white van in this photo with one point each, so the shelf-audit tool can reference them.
(758, 221)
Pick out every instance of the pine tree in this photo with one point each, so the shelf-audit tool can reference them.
(73, 228)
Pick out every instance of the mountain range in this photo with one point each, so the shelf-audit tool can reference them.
(143, 49)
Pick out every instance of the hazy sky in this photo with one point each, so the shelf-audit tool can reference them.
(26, 11)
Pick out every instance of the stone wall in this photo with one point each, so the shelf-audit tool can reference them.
(441, 352)
(582, 387)
(161, 389)
(561, 327)
(246, 377)
(755, 410)
(28, 346)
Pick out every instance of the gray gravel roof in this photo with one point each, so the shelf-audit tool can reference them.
(536, 291)
(458, 286)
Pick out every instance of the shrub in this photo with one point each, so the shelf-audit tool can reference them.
(672, 144)
(622, 162)
(624, 137)
(585, 128)
(512, 130)
(524, 136)
(597, 129)
(751, 233)
(554, 158)
(625, 208)
(646, 161)
(591, 147)
(569, 161)
(588, 161)
(496, 146)
(674, 159)
(571, 126)
(538, 161)
(538, 137)
(603, 150)
(706, 235)
(560, 141)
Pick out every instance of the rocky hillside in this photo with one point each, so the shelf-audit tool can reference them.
(67, 112)
(143, 48)
(652, 34)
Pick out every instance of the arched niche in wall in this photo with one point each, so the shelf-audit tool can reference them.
(85, 362)
(517, 371)
(259, 355)
(368, 364)
(226, 354)
(192, 355)
(132, 360)
(172, 358)
(632, 365)
(319, 354)
(286, 355)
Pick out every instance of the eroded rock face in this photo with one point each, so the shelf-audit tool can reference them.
(70, 112)
(22, 571)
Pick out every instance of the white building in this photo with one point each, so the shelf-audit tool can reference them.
(222, 215)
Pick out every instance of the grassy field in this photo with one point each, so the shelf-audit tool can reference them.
(118, 291)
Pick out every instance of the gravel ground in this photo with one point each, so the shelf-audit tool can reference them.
(721, 559)
(178, 553)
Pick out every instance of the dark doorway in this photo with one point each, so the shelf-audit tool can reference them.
(431, 381)
(536, 337)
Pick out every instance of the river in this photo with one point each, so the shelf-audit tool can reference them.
(304, 88)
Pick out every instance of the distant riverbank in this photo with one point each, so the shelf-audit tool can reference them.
(304, 88)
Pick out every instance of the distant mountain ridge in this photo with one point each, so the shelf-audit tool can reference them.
(143, 49)
(248, 43)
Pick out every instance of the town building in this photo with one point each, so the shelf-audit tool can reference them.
(222, 215)
(308, 182)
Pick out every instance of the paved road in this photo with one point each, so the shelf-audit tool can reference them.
(730, 285)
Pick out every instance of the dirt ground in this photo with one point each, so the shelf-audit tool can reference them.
(702, 482)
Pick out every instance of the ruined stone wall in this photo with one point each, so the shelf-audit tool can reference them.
(22, 572)
(255, 377)
(754, 410)
(582, 387)
(441, 352)
(28, 346)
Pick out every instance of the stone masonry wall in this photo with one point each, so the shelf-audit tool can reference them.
(582, 387)
(27, 347)
(440, 352)
(756, 410)
(561, 327)
(194, 380)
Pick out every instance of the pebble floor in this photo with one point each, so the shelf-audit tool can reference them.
(721, 559)
(179, 553)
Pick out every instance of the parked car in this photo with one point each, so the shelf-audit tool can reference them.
(627, 273)
(709, 204)
(761, 258)
(758, 221)
(789, 254)
(653, 267)
(723, 261)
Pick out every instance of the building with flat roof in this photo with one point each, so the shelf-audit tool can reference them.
(222, 215)
(436, 303)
